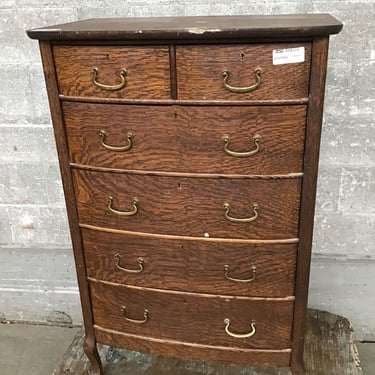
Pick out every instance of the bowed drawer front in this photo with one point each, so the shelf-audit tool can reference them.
(223, 71)
(189, 157)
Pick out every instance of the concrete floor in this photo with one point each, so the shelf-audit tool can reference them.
(36, 349)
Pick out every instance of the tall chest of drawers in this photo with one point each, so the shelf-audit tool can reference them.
(188, 148)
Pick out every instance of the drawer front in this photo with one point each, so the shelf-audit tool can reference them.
(193, 317)
(189, 206)
(200, 72)
(147, 73)
(195, 266)
(187, 139)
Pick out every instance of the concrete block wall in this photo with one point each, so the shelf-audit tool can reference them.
(37, 278)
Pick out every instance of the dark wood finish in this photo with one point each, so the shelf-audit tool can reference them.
(313, 131)
(178, 110)
(173, 72)
(329, 349)
(194, 206)
(62, 149)
(187, 139)
(148, 74)
(190, 175)
(192, 317)
(186, 238)
(192, 28)
(193, 351)
(199, 72)
(161, 102)
(193, 266)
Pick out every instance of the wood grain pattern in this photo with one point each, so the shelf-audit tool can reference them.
(183, 102)
(199, 72)
(190, 207)
(148, 74)
(186, 238)
(311, 162)
(178, 110)
(187, 139)
(193, 318)
(192, 351)
(202, 28)
(194, 266)
(62, 149)
(329, 349)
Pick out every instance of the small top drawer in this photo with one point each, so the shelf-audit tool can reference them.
(244, 71)
(113, 71)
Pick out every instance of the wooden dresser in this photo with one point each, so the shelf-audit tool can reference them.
(189, 149)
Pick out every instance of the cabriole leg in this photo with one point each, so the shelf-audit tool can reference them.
(90, 349)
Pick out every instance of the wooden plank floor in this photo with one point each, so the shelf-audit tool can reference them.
(329, 350)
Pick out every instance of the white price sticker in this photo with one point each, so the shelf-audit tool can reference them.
(288, 55)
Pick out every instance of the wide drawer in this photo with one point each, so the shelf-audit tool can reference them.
(260, 140)
(121, 72)
(198, 207)
(251, 72)
(201, 319)
(231, 268)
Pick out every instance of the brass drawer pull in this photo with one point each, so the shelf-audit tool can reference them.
(241, 90)
(127, 147)
(241, 220)
(253, 271)
(256, 140)
(138, 270)
(239, 335)
(108, 87)
(123, 213)
(136, 321)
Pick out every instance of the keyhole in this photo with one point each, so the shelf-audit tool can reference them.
(107, 56)
(179, 185)
(242, 55)
(175, 114)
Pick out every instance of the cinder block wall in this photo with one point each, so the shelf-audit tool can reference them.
(37, 277)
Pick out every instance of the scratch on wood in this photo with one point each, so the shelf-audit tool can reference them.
(199, 30)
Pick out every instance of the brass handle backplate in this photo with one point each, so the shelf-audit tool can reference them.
(253, 271)
(119, 86)
(239, 335)
(241, 90)
(136, 321)
(127, 147)
(122, 213)
(138, 270)
(245, 154)
(241, 220)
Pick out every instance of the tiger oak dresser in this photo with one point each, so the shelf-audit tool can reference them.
(188, 148)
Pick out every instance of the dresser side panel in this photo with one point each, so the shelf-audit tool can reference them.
(311, 160)
(62, 150)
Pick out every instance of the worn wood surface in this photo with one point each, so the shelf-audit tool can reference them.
(195, 266)
(192, 317)
(311, 162)
(329, 350)
(188, 205)
(148, 72)
(187, 139)
(62, 149)
(199, 72)
(193, 205)
(192, 28)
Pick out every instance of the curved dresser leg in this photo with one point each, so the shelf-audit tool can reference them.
(91, 351)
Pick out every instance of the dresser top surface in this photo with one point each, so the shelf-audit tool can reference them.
(192, 28)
